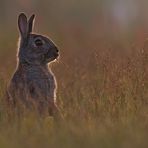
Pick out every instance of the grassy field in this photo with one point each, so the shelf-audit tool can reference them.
(102, 74)
(102, 94)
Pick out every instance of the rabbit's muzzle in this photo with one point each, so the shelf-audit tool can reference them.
(56, 54)
(52, 53)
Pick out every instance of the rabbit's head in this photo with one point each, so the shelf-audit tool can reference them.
(34, 48)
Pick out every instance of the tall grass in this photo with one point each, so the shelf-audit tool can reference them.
(102, 94)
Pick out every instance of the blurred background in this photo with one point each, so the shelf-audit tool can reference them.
(85, 31)
(79, 27)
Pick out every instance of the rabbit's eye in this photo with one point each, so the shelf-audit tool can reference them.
(38, 42)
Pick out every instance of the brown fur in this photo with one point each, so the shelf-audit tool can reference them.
(33, 85)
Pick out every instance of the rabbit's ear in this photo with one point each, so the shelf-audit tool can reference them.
(22, 24)
(30, 23)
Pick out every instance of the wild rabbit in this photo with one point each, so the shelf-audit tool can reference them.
(33, 85)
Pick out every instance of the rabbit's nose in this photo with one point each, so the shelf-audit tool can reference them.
(57, 50)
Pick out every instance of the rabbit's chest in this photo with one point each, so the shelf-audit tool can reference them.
(42, 87)
(44, 84)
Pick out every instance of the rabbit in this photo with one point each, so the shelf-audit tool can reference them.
(33, 85)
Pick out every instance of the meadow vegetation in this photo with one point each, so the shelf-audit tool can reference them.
(102, 77)
(103, 98)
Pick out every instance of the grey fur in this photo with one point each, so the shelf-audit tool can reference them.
(33, 85)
